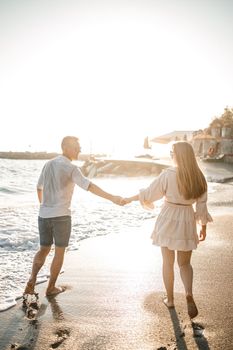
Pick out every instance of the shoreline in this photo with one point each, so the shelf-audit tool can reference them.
(113, 299)
(99, 166)
(27, 155)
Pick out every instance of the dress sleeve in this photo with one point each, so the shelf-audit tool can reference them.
(201, 213)
(155, 191)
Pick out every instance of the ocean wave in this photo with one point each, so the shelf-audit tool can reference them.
(10, 243)
(226, 203)
(14, 190)
(218, 179)
(7, 190)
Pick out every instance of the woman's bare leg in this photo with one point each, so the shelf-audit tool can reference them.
(186, 273)
(186, 270)
(168, 274)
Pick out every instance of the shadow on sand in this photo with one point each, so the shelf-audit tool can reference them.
(177, 333)
(20, 331)
(23, 333)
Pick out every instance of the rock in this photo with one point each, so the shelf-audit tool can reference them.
(106, 169)
(92, 172)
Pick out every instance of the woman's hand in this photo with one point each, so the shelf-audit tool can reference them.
(202, 234)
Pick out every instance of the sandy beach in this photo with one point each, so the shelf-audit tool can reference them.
(114, 293)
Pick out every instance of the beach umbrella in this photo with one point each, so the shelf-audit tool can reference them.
(173, 136)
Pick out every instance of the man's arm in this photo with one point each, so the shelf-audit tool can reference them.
(101, 193)
(39, 194)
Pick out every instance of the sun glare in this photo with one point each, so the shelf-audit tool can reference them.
(112, 78)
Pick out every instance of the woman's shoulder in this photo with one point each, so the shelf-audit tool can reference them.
(166, 174)
(170, 170)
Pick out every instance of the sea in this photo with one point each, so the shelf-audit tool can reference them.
(91, 216)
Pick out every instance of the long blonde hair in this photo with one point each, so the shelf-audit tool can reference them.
(191, 181)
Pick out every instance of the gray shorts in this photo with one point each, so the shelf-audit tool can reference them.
(55, 230)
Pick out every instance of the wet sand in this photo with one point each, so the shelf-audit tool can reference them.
(113, 298)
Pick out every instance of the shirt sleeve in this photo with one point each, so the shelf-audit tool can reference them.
(40, 182)
(79, 179)
(201, 212)
(155, 191)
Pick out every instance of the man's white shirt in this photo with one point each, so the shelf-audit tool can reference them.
(57, 180)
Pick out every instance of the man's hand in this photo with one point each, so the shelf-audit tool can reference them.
(202, 234)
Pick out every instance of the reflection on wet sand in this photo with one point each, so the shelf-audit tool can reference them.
(56, 310)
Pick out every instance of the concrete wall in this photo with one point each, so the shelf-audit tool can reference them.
(226, 146)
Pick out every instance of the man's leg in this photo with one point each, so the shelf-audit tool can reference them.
(168, 274)
(55, 270)
(38, 262)
(61, 228)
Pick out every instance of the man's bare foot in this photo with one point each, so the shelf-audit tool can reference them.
(29, 289)
(55, 291)
(169, 304)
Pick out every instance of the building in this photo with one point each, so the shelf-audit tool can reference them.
(216, 146)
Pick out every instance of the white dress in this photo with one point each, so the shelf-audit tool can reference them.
(175, 227)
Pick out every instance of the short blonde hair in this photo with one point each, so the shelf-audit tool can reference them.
(68, 141)
(191, 181)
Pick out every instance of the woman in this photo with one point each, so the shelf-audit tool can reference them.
(175, 228)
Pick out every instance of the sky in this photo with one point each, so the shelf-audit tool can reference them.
(111, 72)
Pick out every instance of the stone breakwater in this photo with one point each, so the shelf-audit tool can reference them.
(28, 155)
(119, 167)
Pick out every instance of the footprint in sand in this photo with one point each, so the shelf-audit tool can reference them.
(62, 335)
(19, 347)
(198, 329)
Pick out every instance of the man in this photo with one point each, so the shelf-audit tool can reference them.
(55, 189)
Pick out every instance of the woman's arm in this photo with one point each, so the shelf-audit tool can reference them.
(131, 199)
(146, 204)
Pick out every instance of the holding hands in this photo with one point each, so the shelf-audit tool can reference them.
(120, 200)
(127, 200)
